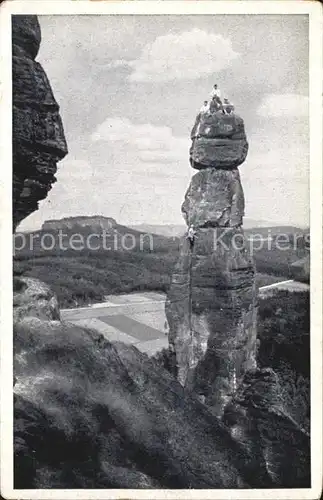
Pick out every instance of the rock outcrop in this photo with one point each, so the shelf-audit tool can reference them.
(32, 297)
(212, 303)
(89, 414)
(38, 135)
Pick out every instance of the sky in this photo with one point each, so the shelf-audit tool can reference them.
(129, 88)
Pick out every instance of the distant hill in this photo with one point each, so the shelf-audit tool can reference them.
(94, 221)
(100, 222)
(276, 229)
(149, 235)
(96, 229)
(94, 233)
(129, 259)
(249, 225)
(168, 230)
(174, 230)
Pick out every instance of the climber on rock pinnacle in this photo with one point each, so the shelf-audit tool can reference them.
(191, 235)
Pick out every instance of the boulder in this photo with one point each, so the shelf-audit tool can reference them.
(218, 141)
(214, 199)
(32, 297)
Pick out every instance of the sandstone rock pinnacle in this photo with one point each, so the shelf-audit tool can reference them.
(212, 302)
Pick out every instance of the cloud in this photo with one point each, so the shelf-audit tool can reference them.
(71, 168)
(185, 56)
(116, 64)
(285, 105)
(150, 143)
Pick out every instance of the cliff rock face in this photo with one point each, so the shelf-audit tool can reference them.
(212, 303)
(38, 135)
(218, 140)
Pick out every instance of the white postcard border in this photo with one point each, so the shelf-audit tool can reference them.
(175, 7)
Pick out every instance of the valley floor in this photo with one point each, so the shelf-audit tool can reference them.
(139, 318)
(136, 318)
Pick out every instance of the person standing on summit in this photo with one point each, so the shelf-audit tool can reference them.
(228, 107)
(216, 92)
(215, 96)
(205, 108)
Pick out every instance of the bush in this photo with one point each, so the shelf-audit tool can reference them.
(80, 278)
(165, 359)
(284, 334)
